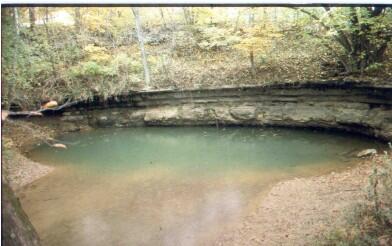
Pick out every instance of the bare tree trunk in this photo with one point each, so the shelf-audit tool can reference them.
(164, 67)
(32, 18)
(237, 22)
(78, 22)
(251, 18)
(16, 20)
(141, 44)
(46, 15)
(252, 63)
(11, 83)
(171, 16)
(211, 16)
(163, 18)
(50, 40)
(188, 15)
(275, 15)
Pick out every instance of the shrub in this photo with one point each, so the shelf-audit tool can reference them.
(214, 38)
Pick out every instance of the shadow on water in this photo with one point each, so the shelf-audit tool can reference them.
(170, 186)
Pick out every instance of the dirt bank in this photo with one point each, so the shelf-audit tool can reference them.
(299, 211)
(21, 171)
(19, 137)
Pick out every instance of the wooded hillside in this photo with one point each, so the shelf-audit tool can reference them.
(71, 53)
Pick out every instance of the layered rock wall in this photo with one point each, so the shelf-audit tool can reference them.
(353, 107)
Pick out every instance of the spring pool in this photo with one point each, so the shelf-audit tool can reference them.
(170, 186)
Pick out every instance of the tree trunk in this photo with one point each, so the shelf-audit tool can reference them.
(251, 18)
(141, 45)
(188, 16)
(32, 18)
(275, 15)
(252, 63)
(78, 22)
(16, 20)
(11, 83)
(163, 18)
(237, 22)
(51, 43)
(211, 15)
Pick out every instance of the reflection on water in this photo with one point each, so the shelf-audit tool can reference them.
(169, 186)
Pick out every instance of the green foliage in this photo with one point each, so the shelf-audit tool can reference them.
(363, 34)
(375, 67)
(124, 64)
(89, 69)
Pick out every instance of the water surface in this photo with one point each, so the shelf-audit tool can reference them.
(170, 186)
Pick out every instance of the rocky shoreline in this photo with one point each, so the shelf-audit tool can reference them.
(21, 171)
(19, 137)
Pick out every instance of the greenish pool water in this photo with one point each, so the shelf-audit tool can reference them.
(170, 186)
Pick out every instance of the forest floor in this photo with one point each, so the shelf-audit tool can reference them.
(294, 212)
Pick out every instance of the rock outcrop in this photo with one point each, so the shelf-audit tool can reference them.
(350, 106)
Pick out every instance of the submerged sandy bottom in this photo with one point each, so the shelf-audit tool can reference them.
(161, 203)
(147, 207)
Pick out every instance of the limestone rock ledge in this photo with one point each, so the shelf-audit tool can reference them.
(350, 106)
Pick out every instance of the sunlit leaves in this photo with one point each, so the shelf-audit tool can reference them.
(214, 38)
(97, 54)
(258, 38)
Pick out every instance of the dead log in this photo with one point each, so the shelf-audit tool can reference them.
(40, 112)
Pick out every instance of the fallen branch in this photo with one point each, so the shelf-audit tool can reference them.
(36, 112)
